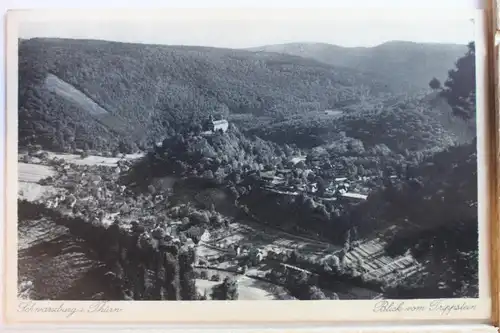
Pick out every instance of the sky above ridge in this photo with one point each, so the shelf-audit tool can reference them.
(256, 27)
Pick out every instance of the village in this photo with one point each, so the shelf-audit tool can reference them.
(224, 245)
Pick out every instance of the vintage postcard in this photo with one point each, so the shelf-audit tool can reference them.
(211, 166)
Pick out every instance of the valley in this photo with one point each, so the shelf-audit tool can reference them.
(196, 173)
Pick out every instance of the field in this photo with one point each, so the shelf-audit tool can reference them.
(93, 160)
(28, 176)
(83, 102)
(32, 173)
(67, 91)
(378, 265)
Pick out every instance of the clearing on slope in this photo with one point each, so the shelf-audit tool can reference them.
(71, 94)
(67, 91)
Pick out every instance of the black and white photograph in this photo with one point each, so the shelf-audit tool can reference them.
(260, 158)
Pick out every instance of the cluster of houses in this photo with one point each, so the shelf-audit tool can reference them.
(101, 201)
(61, 199)
(280, 182)
(276, 182)
(169, 234)
(253, 255)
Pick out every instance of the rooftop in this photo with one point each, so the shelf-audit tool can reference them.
(219, 122)
(355, 195)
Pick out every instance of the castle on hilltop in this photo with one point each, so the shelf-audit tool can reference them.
(217, 125)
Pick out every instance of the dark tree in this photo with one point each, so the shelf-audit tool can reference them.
(316, 294)
(227, 290)
(187, 277)
(435, 84)
(321, 186)
(460, 87)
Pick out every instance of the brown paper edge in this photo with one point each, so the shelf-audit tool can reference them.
(493, 31)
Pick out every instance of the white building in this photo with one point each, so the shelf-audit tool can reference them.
(219, 125)
(357, 196)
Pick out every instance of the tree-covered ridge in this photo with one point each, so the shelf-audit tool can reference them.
(222, 158)
(157, 90)
(444, 183)
(408, 124)
(405, 66)
(435, 210)
(433, 214)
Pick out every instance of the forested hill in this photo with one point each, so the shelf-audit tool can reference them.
(405, 65)
(417, 123)
(436, 214)
(108, 95)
